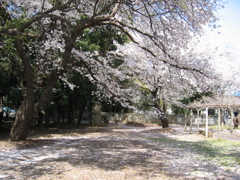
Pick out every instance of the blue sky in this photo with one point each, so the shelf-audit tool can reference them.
(228, 35)
(227, 40)
(230, 22)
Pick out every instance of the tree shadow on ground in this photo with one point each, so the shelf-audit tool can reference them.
(115, 151)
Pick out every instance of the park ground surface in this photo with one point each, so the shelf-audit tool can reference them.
(121, 152)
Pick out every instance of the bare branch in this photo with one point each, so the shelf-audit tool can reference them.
(95, 8)
(116, 8)
(15, 32)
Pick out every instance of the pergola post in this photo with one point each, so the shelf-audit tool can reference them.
(231, 125)
(191, 119)
(219, 122)
(206, 122)
(197, 120)
(222, 118)
(185, 118)
(223, 102)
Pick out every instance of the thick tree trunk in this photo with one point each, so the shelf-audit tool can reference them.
(22, 124)
(162, 116)
(235, 122)
(28, 109)
(25, 112)
(164, 121)
(161, 107)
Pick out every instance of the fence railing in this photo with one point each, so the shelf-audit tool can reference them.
(175, 119)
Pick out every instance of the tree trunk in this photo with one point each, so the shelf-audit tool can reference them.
(80, 114)
(162, 115)
(58, 115)
(40, 119)
(22, 124)
(235, 122)
(161, 107)
(7, 116)
(63, 114)
(1, 118)
(25, 112)
(70, 114)
(1, 113)
(47, 119)
(28, 109)
(164, 121)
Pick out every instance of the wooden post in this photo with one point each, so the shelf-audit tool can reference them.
(191, 119)
(198, 112)
(222, 118)
(219, 122)
(185, 127)
(232, 116)
(206, 122)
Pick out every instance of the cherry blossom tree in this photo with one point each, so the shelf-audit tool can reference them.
(166, 84)
(47, 35)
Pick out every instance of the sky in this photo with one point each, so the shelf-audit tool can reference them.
(230, 23)
(227, 39)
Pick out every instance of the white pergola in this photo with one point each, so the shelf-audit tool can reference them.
(217, 102)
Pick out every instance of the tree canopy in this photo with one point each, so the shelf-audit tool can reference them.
(50, 38)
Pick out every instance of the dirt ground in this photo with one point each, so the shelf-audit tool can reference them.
(119, 151)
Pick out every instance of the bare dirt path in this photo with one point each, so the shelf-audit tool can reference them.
(117, 152)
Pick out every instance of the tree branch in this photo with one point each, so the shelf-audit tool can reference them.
(15, 32)
(116, 8)
(28, 71)
(122, 28)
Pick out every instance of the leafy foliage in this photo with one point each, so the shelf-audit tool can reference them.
(196, 97)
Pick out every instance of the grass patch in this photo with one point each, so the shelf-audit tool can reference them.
(228, 127)
(226, 153)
